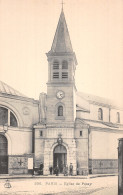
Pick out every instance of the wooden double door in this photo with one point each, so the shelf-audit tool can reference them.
(3, 155)
(60, 157)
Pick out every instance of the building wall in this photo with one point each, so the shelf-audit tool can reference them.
(45, 145)
(81, 147)
(94, 112)
(20, 138)
(25, 109)
(103, 153)
(67, 101)
(109, 114)
(104, 144)
(20, 141)
(113, 115)
(50, 144)
(39, 142)
(83, 115)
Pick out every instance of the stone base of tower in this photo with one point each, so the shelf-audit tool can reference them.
(49, 147)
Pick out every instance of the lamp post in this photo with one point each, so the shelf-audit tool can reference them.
(5, 127)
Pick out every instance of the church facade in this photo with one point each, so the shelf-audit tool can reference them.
(64, 126)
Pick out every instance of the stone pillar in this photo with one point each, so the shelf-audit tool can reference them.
(120, 167)
(72, 155)
(42, 108)
(46, 156)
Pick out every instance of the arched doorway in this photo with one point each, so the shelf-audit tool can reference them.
(3, 155)
(59, 157)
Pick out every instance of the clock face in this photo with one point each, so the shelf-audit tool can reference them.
(60, 94)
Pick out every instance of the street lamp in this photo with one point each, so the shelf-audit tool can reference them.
(5, 127)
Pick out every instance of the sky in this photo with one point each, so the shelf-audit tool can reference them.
(27, 29)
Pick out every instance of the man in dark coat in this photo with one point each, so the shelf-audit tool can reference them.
(57, 170)
(41, 169)
(51, 170)
(65, 170)
(71, 169)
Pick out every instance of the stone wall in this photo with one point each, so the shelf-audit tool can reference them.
(18, 164)
(103, 166)
(67, 102)
(50, 144)
(81, 147)
(82, 156)
(25, 109)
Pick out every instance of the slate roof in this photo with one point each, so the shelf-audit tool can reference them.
(98, 100)
(61, 42)
(6, 89)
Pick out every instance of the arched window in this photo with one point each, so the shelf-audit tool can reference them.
(13, 120)
(64, 64)
(7, 117)
(100, 114)
(118, 117)
(3, 116)
(60, 111)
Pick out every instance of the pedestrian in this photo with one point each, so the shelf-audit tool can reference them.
(51, 170)
(71, 169)
(41, 169)
(57, 170)
(33, 171)
(65, 170)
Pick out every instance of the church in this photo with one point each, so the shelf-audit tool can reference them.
(64, 126)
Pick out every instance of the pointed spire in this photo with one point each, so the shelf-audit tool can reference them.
(61, 42)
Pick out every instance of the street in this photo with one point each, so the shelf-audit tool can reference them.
(60, 186)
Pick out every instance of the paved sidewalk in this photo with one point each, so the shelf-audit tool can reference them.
(7, 176)
(60, 186)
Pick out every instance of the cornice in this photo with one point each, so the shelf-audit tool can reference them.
(51, 55)
(4, 95)
(57, 83)
(21, 129)
(116, 125)
(64, 125)
(39, 126)
(108, 130)
(110, 106)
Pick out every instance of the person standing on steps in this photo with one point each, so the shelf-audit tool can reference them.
(41, 169)
(57, 170)
(51, 170)
(71, 169)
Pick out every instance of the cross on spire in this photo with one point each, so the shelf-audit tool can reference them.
(62, 4)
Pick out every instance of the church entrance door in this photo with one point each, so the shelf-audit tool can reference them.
(60, 157)
(3, 155)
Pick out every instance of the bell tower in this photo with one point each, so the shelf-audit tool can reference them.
(61, 72)
(59, 143)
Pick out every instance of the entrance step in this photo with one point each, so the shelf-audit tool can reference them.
(4, 174)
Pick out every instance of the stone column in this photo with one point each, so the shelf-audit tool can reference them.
(46, 157)
(120, 167)
(72, 155)
(46, 162)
